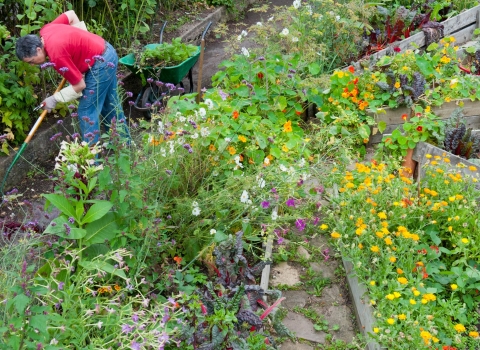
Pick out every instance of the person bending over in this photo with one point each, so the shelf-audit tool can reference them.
(88, 63)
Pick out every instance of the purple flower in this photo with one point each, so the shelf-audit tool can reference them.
(126, 328)
(59, 122)
(87, 61)
(135, 345)
(150, 80)
(274, 190)
(60, 286)
(169, 172)
(193, 124)
(300, 183)
(129, 94)
(76, 135)
(46, 65)
(300, 223)
(71, 106)
(290, 202)
(222, 94)
(74, 114)
(71, 220)
(99, 58)
(63, 70)
(170, 86)
(56, 136)
(131, 103)
(91, 92)
(265, 204)
(280, 240)
(158, 83)
(261, 58)
(110, 65)
(86, 119)
(67, 229)
(315, 221)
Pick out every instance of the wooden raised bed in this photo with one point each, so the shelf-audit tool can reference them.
(462, 165)
(461, 27)
(393, 117)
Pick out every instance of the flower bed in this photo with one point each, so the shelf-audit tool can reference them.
(413, 248)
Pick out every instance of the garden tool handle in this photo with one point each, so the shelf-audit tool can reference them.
(44, 113)
(200, 70)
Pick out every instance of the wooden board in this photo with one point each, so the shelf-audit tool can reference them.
(423, 148)
(460, 26)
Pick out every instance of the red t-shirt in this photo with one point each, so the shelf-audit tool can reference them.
(68, 47)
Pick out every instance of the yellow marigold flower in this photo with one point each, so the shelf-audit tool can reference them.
(416, 293)
(424, 301)
(323, 226)
(453, 286)
(397, 85)
(382, 215)
(402, 280)
(287, 127)
(335, 235)
(446, 160)
(448, 99)
(360, 246)
(390, 321)
(430, 297)
(211, 148)
(473, 334)
(388, 241)
(402, 317)
(459, 328)
(428, 156)
(285, 148)
(397, 295)
(231, 150)
(372, 283)
(399, 271)
(392, 259)
(384, 224)
(465, 240)
(376, 330)
(390, 296)
(472, 168)
(242, 138)
(450, 228)
(349, 185)
(117, 287)
(412, 301)
(379, 234)
(375, 249)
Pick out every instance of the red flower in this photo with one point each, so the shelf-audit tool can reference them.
(351, 69)
(177, 259)
(235, 114)
(434, 247)
(260, 75)
(355, 81)
(397, 49)
(298, 112)
(420, 128)
(404, 116)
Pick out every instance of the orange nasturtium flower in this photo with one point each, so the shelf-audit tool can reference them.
(287, 127)
(177, 259)
(351, 69)
(235, 114)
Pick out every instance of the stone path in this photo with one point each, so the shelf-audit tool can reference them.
(334, 318)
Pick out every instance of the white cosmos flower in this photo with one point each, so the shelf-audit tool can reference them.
(266, 161)
(172, 147)
(297, 4)
(270, 19)
(228, 139)
(202, 112)
(194, 136)
(274, 215)
(196, 211)
(204, 132)
(261, 183)
(237, 161)
(259, 24)
(194, 204)
(301, 163)
(163, 152)
(337, 18)
(244, 33)
(213, 231)
(245, 52)
(294, 39)
(244, 197)
(239, 37)
(283, 167)
(182, 119)
(309, 9)
(284, 32)
(209, 103)
(160, 127)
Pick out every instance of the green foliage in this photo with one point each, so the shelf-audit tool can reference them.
(165, 54)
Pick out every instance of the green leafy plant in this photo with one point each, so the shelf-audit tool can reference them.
(167, 54)
(459, 139)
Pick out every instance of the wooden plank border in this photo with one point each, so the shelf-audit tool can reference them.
(460, 26)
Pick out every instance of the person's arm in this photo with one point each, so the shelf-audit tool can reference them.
(72, 17)
(79, 86)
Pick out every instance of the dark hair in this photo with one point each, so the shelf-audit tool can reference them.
(26, 46)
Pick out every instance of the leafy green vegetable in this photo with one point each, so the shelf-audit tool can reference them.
(167, 54)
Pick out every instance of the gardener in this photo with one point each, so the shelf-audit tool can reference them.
(88, 63)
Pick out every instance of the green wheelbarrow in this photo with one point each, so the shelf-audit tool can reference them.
(158, 82)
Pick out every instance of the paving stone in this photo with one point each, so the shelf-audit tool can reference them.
(283, 273)
(303, 328)
(331, 295)
(295, 298)
(325, 269)
(303, 253)
(289, 345)
(340, 315)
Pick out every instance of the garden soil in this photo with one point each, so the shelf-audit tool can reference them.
(336, 320)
